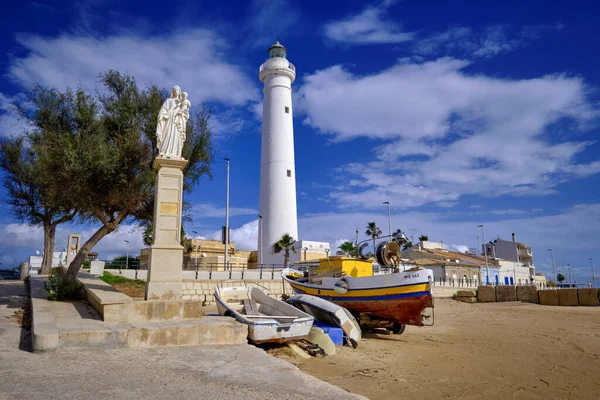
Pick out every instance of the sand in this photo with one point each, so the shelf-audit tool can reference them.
(492, 350)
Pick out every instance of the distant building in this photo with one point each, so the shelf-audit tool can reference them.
(448, 264)
(516, 260)
(59, 258)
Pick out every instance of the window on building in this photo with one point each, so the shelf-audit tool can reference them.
(289, 173)
(287, 110)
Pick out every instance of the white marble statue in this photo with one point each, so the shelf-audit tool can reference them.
(172, 121)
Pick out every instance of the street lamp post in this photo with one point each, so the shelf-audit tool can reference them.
(570, 281)
(227, 218)
(260, 237)
(593, 275)
(553, 268)
(487, 271)
(195, 249)
(389, 217)
(127, 259)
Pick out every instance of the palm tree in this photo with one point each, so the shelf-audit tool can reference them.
(423, 238)
(374, 232)
(347, 248)
(407, 245)
(285, 244)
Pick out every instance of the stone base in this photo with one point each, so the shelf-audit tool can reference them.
(467, 299)
(164, 274)
(163, 290)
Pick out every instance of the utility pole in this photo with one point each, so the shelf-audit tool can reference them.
(389, 217)
(227, 219)
(356, 240)
(260, 239)
(487, 271)
(195, 249)
(127, 259)
(570, 281)
(553, 268)
(593, 275)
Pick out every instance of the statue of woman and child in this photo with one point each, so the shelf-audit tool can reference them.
(172, 121)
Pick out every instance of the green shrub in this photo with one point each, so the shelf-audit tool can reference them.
(59, 288)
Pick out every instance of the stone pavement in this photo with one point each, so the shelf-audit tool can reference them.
(216, 372)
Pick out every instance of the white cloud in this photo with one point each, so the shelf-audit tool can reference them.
(489, 42)
(10, 123)
(369, 26)
(451, 133)
(338, 243)
(208, 210)
(197, 59)
(245, 237)
(459, 247)
(273, 20)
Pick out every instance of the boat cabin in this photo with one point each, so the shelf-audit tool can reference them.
(341, 265)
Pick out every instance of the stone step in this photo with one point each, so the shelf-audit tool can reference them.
(204, 331)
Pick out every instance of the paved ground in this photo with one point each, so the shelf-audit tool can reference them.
(234, 372)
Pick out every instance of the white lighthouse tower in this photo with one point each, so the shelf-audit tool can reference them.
(277, 171)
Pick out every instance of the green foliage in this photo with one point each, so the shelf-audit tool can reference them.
(560, 278)
(348, 248)
(407, 245)
(373, 230)
(285, 244)
(423, 238)
(59, 288)
(454, 296)
(116, 279)
(87, 264)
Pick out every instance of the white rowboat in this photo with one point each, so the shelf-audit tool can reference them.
(269, 320)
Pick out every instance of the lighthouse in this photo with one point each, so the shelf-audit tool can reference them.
(277, 205)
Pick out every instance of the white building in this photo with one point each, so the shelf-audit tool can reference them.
(35, 262)
(516, 261)
(309, 250)
(277, 206)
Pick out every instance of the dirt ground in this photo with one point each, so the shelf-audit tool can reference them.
(474, 351)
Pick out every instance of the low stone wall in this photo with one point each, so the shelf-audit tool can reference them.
(588, 297)
(204, 290)
(44, 331)
(506, 293)
(568, 297)
(486, 294)
(548, 297)
(528, 294)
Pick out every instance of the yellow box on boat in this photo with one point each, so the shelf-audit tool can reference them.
(350, 266)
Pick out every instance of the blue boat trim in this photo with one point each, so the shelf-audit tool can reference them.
(370, 298)
(351, 288)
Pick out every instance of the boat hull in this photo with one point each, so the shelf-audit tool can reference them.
(402, 298)
(279, 323)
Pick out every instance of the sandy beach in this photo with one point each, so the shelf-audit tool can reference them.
(474, 351)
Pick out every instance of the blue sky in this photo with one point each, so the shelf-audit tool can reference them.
(459, 114)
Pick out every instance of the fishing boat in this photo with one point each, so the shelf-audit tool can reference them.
(329, 313)
(269, 320)
(398, 298)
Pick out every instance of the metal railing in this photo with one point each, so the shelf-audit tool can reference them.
(233, 269)
(6, 274)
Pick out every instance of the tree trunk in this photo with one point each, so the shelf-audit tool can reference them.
(286, 259)
(49, 237)
(374, 250)
(77, 262)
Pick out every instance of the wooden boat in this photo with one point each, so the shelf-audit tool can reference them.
(269, 320)
(329, 313)
(401, 298)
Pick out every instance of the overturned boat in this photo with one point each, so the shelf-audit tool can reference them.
(398, 298)
(269, 320)
(330, 314)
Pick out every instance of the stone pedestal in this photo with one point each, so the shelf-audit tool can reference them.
(166, 253)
